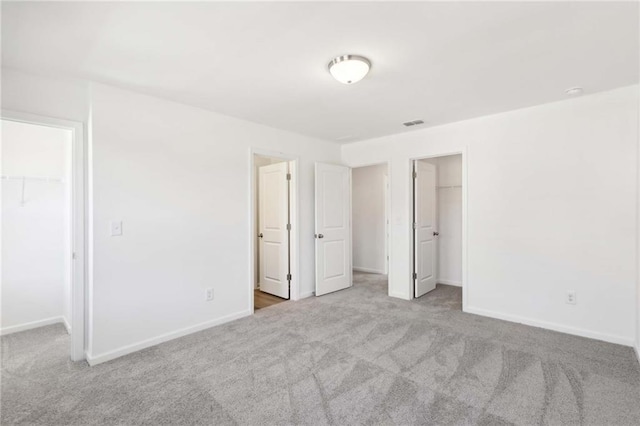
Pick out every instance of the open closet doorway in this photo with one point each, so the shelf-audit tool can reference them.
(273, 222)
(438, 228)
(370, 218)
(43, 234)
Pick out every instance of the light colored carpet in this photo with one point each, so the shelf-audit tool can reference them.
(352, 357)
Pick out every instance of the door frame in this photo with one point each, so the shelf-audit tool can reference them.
(78, 237)
(294, 211)
(465, 228)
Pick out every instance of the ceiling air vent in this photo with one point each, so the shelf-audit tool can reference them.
(413, 123)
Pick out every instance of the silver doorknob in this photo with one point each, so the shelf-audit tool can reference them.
(260, 235)
(435, 234)
(319, 236)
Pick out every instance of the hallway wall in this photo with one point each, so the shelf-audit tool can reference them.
(369, 227)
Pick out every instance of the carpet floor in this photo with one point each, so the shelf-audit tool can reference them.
(351, 357)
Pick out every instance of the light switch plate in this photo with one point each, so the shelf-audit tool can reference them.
(116, 229)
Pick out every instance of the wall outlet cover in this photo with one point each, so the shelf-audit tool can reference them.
(571, 297)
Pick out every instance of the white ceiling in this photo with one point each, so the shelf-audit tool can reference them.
(267, 62)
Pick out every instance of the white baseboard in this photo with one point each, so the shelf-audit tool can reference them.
(66, 325)
(307, 294)
(368, 270)
(449, 282)
(552, 326)
(30, 325)
(125, 350)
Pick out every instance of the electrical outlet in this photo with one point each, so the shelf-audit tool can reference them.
(209, 294)
(571, 297)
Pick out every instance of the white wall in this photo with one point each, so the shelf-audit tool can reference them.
(35, 236)
(551, 207)
(449, 200)
(178, 178)
(39, 95)
(369, 229)
(518, 266)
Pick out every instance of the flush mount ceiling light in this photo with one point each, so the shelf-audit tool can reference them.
(349, 69)
(574, 91)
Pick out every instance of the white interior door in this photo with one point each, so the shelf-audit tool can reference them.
(386, 224)
(273, 218)
(424, 202)
(333, 228)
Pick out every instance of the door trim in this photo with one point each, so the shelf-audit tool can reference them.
(78, 227)
(465, 228)
(294, 247)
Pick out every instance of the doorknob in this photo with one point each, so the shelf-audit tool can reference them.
(319, 236)
(260, 235)
(435, 234)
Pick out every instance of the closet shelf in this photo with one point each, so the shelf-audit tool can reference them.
(24, 179)
(449, 186)
(34, 178)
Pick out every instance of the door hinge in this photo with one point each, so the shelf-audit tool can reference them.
(288, 227)
(288, 176)
(415, 225)
(415, 276)
(288, 277)
(73, 255)
(415, 174)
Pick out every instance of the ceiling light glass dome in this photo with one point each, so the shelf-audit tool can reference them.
(349, 69)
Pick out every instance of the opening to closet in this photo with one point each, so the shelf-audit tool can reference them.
(37, 234)
(438, 230)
